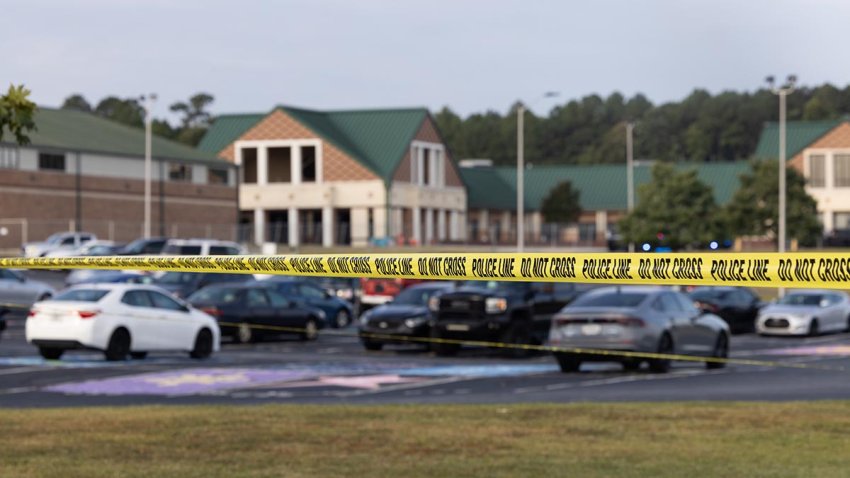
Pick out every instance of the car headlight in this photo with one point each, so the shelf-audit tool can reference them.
(346, 294)
(364, 319)
(434, 304)
(495, 305)
(414, 322)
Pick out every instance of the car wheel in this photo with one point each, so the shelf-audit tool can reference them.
(203, 345)
(244, 334)
(631, 365)
(311, 330)
(665, 346)
(119, 346)
(51, 353)
(516, 340)
(721, 351)
(372, 346)
(814, 328)
(568, 363)
(343, 318)
(138, 355)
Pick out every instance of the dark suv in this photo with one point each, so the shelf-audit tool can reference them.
(493, 311)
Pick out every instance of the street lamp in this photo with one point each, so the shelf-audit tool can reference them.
(520, 169)
(148, 105)
(782, 91)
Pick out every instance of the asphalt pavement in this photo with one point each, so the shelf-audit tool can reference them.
(336, 369)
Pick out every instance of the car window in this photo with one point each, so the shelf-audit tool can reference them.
(152, 247)
(182, 250)
(311, 292)
(670, 304)
(801, 299)
(415, 296)
(178, 278)
(67, 241)
(276, 299)
(223, 250)
(137, 298)
(257, 298)
(80, 295)
(834, 299)
(610, 299)
(162, 301)
(85, 238)
(564, 288)
(686, 304)
(6, 275)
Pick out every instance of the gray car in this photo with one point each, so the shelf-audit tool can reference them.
(806, 312)
(637, 319)
(18, 293)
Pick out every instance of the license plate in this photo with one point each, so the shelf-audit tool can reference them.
(457, 327)
(591, 329)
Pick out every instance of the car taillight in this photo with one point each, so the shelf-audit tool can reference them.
(213, 311)
(630, 322)
(706, 306)
(87, 314)
(32, 313)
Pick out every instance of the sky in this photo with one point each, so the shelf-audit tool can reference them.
(469, 55)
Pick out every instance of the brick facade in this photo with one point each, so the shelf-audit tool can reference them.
(336, 165)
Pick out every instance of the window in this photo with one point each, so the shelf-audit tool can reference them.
(427, 177)
(162, 301)
(587, 232)
(280, 165)
(9, 158)
(842, 170)
(216, 176)
(817, 171)
(841, 220)
(137, 298)
(308, 164)
(249, 165)
(179, 172)
(51, 162)
(257, 298)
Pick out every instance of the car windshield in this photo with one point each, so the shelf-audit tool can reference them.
(709, 294)
(801, 299)
(81, 295)
(610, 299)
(414, 296)
(54, 238)
(334, 282)
(493, 285)
(216, 295)
(177, 278)
(135, 246)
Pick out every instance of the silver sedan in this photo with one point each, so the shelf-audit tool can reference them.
(637, 319)
(806, 312)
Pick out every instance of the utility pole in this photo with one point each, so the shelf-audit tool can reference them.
(630, 174)
(148, 101)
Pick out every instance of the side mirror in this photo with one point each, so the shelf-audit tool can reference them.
(824, 303)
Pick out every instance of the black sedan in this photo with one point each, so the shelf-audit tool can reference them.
(247, 312)
(738, 306)
(406, 316)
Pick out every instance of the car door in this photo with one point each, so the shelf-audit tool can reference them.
(285, 313)
(175, 325)
(260, 310)
(138, 311)
(837, 315)
(317, 297)
(681, 327)
(701, 334)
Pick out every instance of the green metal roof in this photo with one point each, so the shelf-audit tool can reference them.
(225, 129)
(376, 138)
(799, 134)
(601, 187)
(80, 131)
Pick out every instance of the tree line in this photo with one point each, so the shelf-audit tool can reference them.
(592, 130)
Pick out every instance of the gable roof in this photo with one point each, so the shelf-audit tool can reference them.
(601, 186)
(80, 131)
(798, 135)
(378, 138)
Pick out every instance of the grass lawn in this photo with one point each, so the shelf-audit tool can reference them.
(584, 440)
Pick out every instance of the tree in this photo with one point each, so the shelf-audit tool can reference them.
(16, 112)
(76, 102)
(754, 208)
(675, 209)
(562, 205)
(127, 111)
(195, 118)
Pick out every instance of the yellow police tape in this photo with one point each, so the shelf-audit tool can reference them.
(615, 354)
(803, 270)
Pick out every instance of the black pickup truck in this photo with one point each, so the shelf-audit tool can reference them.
(494, 311)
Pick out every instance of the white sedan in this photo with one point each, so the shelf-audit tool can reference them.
(120, 320)
(806, 312)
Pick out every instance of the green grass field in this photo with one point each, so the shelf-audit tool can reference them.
(584, 440)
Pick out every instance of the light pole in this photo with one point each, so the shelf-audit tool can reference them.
(782, 91)
(520, 170)
(148, 102)
(630, 174)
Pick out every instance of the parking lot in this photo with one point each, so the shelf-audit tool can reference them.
(336, 369)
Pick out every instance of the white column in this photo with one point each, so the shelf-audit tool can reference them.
(262, 165)
(398, 222)
(293, 227)
(417, 224)
(295, 164)
(601, 224)
(453, 226)
(327, 226)
(483, 225)
(429, 225)
(259, 226)
(379, 222)
(420, 163)
(359, 226)
(441, 224)
(536, 225)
